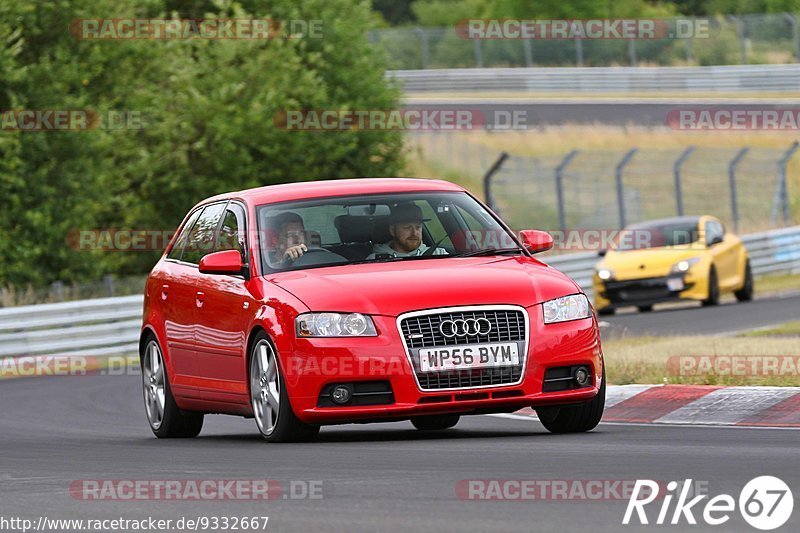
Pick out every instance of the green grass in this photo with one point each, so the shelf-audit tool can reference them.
(787, 329)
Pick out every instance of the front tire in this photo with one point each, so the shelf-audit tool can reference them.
(165, 418)
(575, 419)
(435, 422)
(713, 288)
(274, 416)
(745, 294)
(645, 308)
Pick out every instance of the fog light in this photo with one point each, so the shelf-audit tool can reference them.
(581, 375)
(341, 394)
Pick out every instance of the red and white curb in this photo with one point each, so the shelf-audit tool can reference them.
(701, 405)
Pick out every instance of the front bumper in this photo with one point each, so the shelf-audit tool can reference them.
(317, 363)
(613, 294)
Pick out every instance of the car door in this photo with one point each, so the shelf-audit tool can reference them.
(220, 337)
(183, 289)
(175, 291)
(723, 250)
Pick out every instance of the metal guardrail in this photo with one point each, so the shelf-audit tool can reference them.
(110, 326)
(724, 79)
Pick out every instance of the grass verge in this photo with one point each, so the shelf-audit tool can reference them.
(704, 360)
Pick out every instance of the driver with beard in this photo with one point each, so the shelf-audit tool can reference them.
(291, 239)
(405, 227)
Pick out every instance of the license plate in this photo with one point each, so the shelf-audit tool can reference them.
(468, 356)
(675, 284)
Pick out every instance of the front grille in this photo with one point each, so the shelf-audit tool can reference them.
(507, 326)
(637, 290)
(422, 331)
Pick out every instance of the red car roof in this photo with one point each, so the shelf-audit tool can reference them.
(320, 189)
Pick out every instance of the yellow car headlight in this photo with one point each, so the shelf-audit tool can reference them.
(684, 265)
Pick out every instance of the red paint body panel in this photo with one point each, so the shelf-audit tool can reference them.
(204, 322)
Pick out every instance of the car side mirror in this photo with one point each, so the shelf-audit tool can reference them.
(224, 262)
(715, 240)
(536, 241)
(602, 253)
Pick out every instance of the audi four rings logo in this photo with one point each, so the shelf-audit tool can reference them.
(469, 327)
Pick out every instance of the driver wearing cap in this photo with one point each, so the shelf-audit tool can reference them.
(405, 227)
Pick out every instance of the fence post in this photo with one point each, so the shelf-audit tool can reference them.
(783, 186)
(795, 35)
(578, 51)
(689, 52)
(632, 51)
(741, 32)
(478, 53)
(487, 181)
(527, 49)
(58, 290)
(620, 187)
(732, 185)
(676, 171)
(108, 281)
(423, 39)
(562, 224)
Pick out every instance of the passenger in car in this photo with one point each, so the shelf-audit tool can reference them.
(405, 227)
(291, 242)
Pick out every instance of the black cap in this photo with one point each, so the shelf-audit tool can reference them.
(406, 213)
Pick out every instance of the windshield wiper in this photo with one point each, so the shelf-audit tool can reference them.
(488, 251)
(396, 258)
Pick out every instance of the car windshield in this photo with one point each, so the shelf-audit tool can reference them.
(658, 234)
(378, 228)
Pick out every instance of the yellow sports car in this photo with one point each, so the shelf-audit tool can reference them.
(682, 258)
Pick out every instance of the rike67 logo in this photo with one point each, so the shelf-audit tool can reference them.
(766, 503)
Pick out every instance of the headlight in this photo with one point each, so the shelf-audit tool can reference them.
(685, 265)
(604, 274)
(335, 325)
(567, 308)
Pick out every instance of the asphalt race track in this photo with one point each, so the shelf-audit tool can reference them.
(386, 477)
(692, 319)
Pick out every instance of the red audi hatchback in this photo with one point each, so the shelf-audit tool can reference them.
(362, 300)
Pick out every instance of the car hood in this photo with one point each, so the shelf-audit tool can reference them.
(648, 263)
(395, 288)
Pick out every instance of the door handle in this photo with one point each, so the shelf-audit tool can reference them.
(199, 298)
(164, 291)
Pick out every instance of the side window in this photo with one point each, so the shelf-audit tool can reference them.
(180, 242)
(434, 225)
(231, 233)
(201, 238)
(713, 231)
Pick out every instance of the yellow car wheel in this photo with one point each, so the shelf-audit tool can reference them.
(713, 288)
(745, 294)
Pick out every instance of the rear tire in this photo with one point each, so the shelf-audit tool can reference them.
(274, 416)
(606, 311)
(645, 308)
(435, 422)
(713, 288)
(165, 418)
(745, 294)
(575, 419)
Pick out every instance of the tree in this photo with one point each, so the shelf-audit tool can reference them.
(207, 109)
